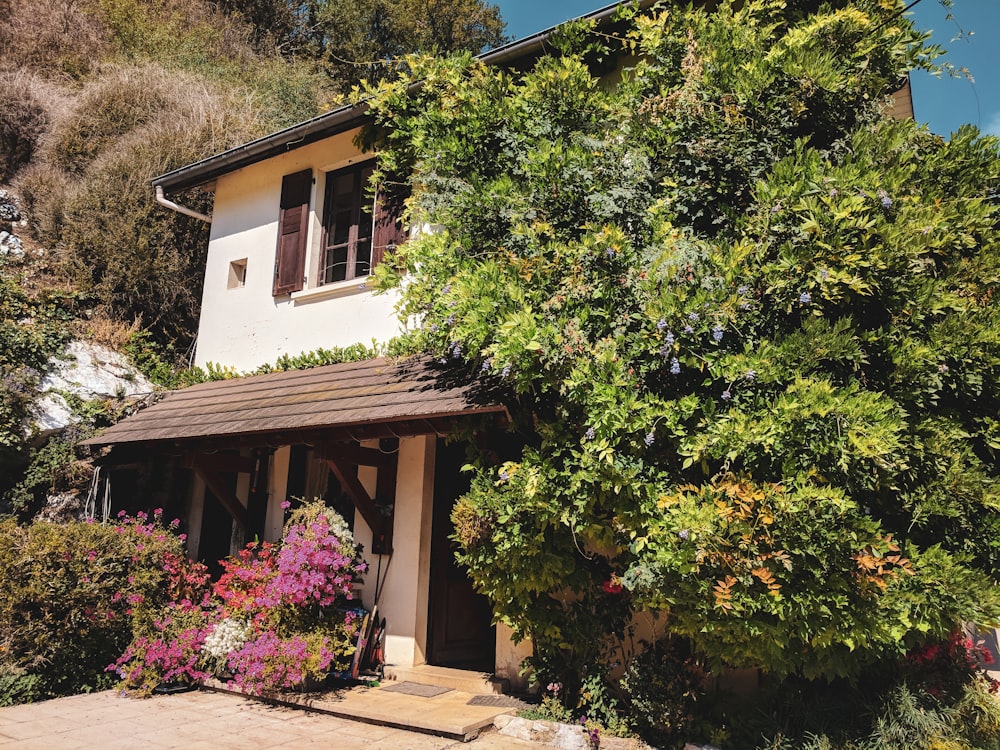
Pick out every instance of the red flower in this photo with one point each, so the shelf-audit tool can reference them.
(612, 586)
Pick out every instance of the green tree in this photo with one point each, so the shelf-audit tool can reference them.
(365, 39)
(747, 323)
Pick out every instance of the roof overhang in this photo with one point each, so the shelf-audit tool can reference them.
(344, 118)
(350, 401)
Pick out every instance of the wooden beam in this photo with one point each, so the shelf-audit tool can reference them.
(349, 453)
(211, 467)
(358, 494)
(214, 481)
(224, 463)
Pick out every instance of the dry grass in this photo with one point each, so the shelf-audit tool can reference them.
(59, 38)
(43, 188)
(23, 122)
(102, 328)
(121, 99)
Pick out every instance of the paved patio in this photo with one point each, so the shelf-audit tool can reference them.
(204, 720)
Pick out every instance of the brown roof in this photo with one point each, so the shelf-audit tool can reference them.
(348, 398)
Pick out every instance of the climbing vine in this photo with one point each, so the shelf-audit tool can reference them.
(746, 322)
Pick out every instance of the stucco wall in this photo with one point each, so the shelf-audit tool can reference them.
(245, 326)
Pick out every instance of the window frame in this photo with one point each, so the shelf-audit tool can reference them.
(361, 173)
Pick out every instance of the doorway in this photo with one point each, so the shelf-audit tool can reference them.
(460, 633)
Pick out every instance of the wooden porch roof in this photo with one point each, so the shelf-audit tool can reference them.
(350, 401)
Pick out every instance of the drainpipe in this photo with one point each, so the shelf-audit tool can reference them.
(163, 201)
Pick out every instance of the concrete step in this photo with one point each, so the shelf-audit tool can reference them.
(463, 680)
(448, 714)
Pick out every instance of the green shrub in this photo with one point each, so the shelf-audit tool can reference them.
(663, 687)
(52, 468)
(18, 686)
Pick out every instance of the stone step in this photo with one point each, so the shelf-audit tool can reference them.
(466, 681)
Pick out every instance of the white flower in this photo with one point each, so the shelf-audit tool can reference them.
(227, 636)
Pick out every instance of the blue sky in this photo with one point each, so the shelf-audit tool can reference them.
(971, 38)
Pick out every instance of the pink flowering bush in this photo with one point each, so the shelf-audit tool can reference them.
(945, 668)
(276, 619)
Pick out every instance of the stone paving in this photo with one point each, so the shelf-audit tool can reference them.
(204, 720)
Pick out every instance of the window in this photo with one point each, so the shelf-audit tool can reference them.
(237, 274)
(348, 223)
(357, 230)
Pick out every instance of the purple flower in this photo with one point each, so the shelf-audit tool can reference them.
(688, 329)
(487, 363)
(726, 395)
(661, 324)
(775, 208)
(693, 316)
(684, 534)
(750, 374)
(675, 367)
(434, 328)
(833, 192)
(451, 320)
(717, 333)
(505, 371)
(885, 199)
(805, 298)
(742, 289)
(446, 288)
(823, 273)
(504, 476)
(456, 350)
(649, 439)
(610, 252)
(589, 434)
(669, 339)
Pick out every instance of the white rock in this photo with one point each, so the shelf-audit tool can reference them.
(87, 371)
(562, 736)
(11, 245)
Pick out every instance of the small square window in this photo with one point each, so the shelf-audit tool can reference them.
(237, 274)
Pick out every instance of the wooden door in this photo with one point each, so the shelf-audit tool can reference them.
(460, 633)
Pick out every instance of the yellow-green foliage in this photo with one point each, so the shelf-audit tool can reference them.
(747, 323)
(65, 597)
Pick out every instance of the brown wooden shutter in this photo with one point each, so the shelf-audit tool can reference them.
(388, 232)
(293, 226)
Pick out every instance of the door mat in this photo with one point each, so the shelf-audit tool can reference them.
(415, 688)
(497, 701)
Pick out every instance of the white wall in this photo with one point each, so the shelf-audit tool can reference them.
(244, 327)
